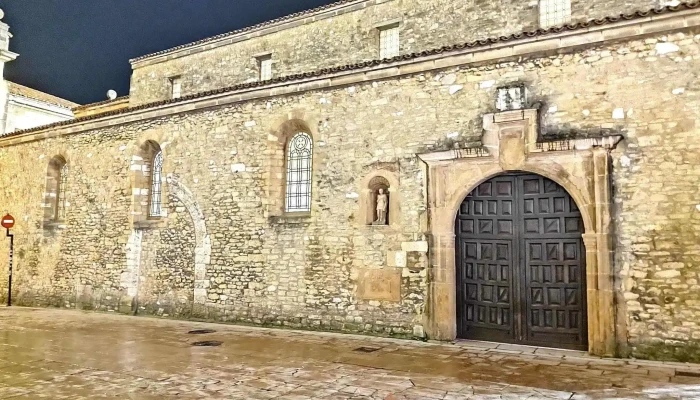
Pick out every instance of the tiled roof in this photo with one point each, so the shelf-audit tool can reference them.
(99, 103)
(365, 64)
(27, 92)
(246, 29)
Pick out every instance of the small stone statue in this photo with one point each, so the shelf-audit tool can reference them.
(382, 206)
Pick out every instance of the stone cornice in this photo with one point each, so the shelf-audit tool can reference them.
(7, 56)
(499, 51)
(572, 145)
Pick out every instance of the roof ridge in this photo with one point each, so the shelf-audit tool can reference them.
(364, 64)
(246, 29)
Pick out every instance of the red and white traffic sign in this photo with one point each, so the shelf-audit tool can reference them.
(8, 221)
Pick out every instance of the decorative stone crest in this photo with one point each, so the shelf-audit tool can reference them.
(511, 135)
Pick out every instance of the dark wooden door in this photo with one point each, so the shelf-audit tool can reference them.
(520, 264)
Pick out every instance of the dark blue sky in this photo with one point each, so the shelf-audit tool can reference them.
(79, 49)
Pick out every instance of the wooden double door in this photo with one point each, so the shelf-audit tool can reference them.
(521, 264)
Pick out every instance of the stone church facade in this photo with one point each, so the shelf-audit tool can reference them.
(537, 162)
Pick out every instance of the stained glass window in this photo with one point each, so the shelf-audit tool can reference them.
(61, 195)
(156, 185)
(299, 168)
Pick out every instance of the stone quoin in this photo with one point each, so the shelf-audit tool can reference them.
(540, 174)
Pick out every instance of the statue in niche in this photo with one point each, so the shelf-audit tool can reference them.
(382, 207)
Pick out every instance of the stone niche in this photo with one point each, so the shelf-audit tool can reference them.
(376, 181)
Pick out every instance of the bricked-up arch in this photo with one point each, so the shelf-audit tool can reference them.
(55, 193)
(146, 167)
(202, 251)
(279, 167)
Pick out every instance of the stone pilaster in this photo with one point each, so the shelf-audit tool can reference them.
(599, 252)
(442, 287)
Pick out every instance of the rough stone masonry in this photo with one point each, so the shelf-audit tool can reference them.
(224, 249)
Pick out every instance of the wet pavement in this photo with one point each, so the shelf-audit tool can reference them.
(59, 354)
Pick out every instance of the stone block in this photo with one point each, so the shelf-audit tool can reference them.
(396, 259)
(420, 246)
(379, 284)
(237, 168)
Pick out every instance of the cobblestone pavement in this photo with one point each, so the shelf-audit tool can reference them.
(58, 354)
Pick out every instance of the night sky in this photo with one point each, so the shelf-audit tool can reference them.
(79, 49)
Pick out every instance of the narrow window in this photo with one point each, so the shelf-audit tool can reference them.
(554, 13)
(176, 87)
(265, 66)
(61, 195)
(389, 41)
(55, 194)
(156, 184)
(299, 168)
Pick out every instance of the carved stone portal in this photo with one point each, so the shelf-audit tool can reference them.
(510, 143)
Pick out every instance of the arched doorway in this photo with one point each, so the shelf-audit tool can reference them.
(520, 264)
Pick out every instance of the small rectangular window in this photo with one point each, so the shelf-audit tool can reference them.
(265, 66)
(389, 41)
(554, 13)
(511, 98)
(176, 87)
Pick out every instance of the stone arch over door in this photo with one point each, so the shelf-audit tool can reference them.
(581, 167)
(520, 263)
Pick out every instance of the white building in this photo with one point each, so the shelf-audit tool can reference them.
(22, 107)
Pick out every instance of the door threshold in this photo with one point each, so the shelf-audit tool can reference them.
(519, 348)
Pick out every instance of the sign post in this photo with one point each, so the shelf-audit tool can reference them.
(8, 222)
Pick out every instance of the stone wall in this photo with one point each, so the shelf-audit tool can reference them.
(329, 270)
(349, 38)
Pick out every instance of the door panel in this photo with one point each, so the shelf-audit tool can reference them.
(486, 229)
(520, 264)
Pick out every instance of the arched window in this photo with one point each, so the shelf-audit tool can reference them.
(55, 195)
(299, 168)
(61, 195)
(156, 185)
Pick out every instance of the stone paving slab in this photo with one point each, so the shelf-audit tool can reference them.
(61, 354)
